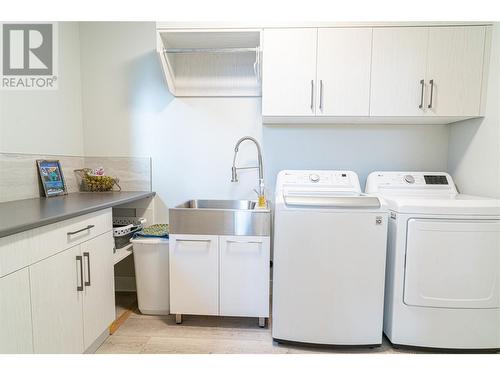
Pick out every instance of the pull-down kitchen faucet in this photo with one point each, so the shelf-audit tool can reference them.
(234, 169)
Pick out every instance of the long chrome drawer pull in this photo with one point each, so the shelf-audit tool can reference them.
(312, 95)
(321, 95)
(80, 287)
(432, 92)
(422, 94)
(87, 255)
(88, 227)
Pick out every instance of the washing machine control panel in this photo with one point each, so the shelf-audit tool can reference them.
(321, 179)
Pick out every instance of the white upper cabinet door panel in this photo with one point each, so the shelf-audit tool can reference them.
(455, 66)
(289, 72)
(344, 58)
(398, 66)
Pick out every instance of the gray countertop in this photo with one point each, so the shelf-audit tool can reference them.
(19, 216)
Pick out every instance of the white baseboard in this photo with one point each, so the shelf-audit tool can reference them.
(125, 284)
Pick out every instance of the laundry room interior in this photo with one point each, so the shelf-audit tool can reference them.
(250, 188)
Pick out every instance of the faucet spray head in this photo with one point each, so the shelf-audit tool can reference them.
(234, 176)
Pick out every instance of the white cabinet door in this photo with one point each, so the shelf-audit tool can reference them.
(15, 314)
(398, 70)
(99, 293)
(244, 276)
(454, 70)
(57, 304)
(289, 72)
(194, 274)
(344, 60)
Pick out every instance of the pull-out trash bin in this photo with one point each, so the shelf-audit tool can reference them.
(152, 274)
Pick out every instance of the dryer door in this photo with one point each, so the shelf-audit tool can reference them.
(453, 263)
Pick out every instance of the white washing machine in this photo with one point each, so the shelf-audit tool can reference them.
(443, 263)
(329, 260)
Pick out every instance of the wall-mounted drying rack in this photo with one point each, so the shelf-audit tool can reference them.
(211, 62)
(210, 50)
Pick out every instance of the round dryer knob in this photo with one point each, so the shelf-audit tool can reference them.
(410, 179)
(314, 178)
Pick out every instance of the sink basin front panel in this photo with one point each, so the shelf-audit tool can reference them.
(219, 204)
(219, 222)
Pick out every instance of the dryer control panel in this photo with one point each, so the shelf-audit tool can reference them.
(408, 182)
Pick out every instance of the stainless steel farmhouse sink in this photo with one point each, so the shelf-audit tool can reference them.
(220, 217)
(219, 204)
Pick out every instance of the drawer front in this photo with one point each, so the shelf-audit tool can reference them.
(23, 249)
(80, 229)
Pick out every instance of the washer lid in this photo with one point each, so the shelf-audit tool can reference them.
(457, 205)
(333, 200)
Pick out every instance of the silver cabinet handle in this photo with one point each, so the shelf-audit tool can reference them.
(432, 91)
(422, 94)
(193, 240)
(87, 255)
(321, 95)
(312, 95)
(243, 242)
(79, 288)
(88, 227)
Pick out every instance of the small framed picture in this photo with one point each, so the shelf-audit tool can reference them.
(51, 177)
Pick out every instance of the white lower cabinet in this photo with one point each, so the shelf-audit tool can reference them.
(99, 288)
(244, 276)
(194, 284)
(15, 314)
(57, 304)
(57, 286)
(70, 306)
(219, 275)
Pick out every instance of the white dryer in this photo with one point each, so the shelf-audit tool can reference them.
(443, 263)
(329, 260)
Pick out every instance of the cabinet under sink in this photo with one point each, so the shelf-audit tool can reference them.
(219, 257)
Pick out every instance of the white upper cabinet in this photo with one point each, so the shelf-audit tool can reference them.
(454, 71)
(398, 71)
(382, 74)
(343, 65)
(289, 72)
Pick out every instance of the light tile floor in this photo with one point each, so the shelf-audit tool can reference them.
(205, 334)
